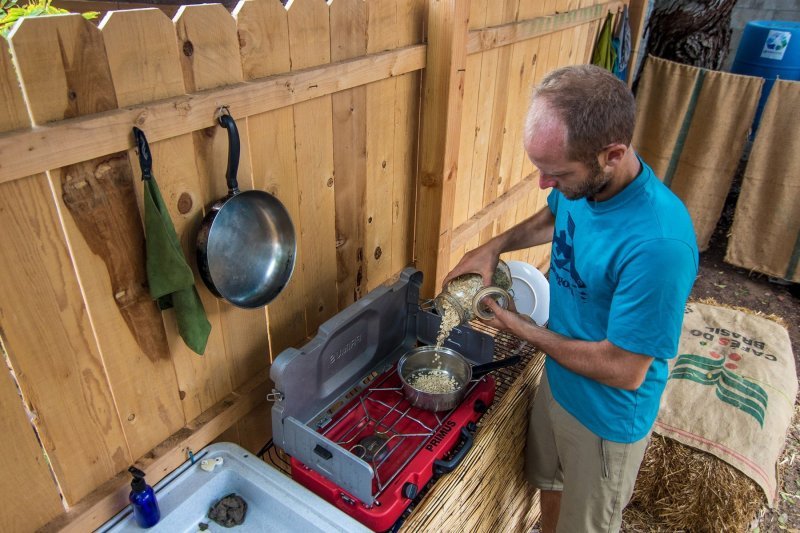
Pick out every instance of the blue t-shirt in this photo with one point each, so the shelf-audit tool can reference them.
(620, 270)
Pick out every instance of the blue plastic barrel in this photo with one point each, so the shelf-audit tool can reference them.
(769, 49)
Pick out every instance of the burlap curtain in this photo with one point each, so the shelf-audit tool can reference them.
(691, 127)
(766, 226)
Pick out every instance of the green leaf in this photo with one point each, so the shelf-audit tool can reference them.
(90, 15)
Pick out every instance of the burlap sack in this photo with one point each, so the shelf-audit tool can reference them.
(731, 390)
(691, 128)
(766, 226)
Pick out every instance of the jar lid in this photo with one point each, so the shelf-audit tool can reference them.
(500, 295)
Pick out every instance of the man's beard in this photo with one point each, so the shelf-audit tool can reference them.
(591, 187)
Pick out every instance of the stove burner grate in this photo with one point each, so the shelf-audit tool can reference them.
(393, 429)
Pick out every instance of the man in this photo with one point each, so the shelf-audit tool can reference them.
(623, 261)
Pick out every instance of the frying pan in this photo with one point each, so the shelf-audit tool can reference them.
(246, 245)
(422, 359)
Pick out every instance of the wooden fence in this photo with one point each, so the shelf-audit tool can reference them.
(377, 167)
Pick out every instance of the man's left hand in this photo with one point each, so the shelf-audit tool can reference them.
(506, 319)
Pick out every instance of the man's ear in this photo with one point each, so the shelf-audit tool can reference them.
(611, 156)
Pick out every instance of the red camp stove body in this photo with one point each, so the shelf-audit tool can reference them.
(403, 444)
(341, 415)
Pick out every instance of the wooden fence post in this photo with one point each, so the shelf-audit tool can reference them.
(443, 92)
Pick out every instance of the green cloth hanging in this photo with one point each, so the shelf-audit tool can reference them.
(170, 278)
(604, 54)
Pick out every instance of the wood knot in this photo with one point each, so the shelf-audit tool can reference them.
(185, 203)
(330, 182)
(378, 253)
(188, 48)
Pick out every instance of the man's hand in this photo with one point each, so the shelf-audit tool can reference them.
(533, 231)
(505, 319)
(482, 260)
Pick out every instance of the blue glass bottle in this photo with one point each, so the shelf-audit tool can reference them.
(143, 500)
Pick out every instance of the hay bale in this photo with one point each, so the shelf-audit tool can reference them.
(683, 489)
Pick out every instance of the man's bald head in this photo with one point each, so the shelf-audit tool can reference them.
(595, 108)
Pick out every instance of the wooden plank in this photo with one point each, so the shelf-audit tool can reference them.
(44, 326)
(468, 132)
(525, 57)
(255, 428)
(348, 20)
(211, 59)
(80, 139)
(381, 35)
(537, 55)
(541, 63)
(480, 151)
(498, 130)
(506, 34)
(486, 216)
(27, 479)
(439, 138)
(309, 40)
(65, 73)
(263, 30)
(145, 66)
(112, 496)
(410, 19)
(594, 27)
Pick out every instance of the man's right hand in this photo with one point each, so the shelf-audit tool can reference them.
(482, 260)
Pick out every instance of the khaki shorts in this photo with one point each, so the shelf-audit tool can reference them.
(595, 475)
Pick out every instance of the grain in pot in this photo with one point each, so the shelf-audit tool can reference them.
(433, 381)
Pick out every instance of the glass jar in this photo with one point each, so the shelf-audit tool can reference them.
(464, 294)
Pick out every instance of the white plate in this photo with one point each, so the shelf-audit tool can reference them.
(531, 291)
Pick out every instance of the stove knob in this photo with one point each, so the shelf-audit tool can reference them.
(410, 491)
(479, 406)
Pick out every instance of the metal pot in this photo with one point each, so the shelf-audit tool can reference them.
(452, 363)
(246, 245)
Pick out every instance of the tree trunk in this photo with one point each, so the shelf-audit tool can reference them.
(696, 33)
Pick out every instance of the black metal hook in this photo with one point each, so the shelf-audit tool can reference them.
(145, 158)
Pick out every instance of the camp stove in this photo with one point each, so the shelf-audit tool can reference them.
(341, 415)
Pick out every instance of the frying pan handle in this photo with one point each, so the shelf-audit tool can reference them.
(481, 370)
(443, 467)
(227, 122)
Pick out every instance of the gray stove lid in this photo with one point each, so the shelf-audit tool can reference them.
(373, 331)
